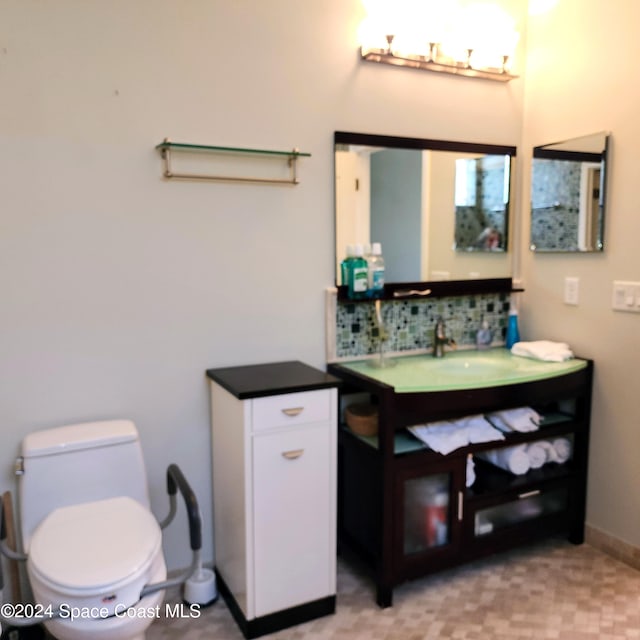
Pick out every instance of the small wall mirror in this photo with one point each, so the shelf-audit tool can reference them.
(440, 209)
(568, 188)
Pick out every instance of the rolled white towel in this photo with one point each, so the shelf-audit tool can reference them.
(512, 459)
(546, 350)
(537, 455)
(552, 456)
(562, 447)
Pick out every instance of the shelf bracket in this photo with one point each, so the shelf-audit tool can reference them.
(166, 148)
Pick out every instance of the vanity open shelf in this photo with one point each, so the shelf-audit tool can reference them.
(407, 509)
(438, 289)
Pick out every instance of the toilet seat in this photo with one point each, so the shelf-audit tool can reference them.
(92, 548)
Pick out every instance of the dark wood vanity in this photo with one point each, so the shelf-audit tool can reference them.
(381, 478)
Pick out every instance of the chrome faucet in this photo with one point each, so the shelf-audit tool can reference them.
(440, 339)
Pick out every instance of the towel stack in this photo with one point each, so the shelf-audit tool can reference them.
(520, 458)
(543, 350)
(446, 436)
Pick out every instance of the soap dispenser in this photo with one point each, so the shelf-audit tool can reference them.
(484, 336)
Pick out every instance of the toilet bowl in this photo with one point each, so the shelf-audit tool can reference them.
(92, 546)
(90, 562)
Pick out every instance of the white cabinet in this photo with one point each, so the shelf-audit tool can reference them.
(274, 491)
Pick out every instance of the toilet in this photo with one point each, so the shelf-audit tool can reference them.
(90, 538)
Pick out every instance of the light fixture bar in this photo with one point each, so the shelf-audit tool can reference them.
(421, 62)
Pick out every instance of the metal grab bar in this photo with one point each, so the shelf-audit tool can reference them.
(175, 481)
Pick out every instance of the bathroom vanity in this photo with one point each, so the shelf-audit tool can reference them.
(274, 432)
(407, 510)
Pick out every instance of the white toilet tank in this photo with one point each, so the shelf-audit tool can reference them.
(75, 464)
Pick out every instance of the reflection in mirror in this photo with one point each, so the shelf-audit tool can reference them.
(440, 209)
(481, 202)
(568, 191)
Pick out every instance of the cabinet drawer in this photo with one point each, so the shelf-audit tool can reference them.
(528, 507)
(291, 409)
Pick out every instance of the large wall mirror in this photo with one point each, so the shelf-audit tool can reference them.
(440, 209)
(568, 189)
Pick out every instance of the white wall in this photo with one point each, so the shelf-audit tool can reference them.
(119, 289)
(581, 79)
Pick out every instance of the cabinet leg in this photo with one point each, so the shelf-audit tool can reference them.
(576, 536)
(384, 596)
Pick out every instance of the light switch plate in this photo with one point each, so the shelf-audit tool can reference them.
(571, 290)
(626, 296)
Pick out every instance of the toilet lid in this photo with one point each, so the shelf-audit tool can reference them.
(96, 544)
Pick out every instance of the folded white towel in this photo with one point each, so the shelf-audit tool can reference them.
(443, 437)
(543, 350)
(446, 436)
(479, 429)
(512, 459)
(522, 419)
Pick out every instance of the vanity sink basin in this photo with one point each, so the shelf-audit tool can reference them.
(475, 365)
(462, 370)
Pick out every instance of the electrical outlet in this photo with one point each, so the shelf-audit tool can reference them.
(571, 290)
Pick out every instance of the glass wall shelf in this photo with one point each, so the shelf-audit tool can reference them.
(167, 147)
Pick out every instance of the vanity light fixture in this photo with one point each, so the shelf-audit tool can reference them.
(477, 42)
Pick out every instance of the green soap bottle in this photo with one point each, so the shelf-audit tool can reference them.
(345, 266)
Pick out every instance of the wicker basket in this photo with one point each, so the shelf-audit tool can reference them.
(362, 419)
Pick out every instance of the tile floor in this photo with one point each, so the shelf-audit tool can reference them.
(552, 590)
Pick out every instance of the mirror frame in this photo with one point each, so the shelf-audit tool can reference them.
(557, 151)
(431, 288)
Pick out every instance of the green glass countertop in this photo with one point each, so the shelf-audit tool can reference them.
(462, 370)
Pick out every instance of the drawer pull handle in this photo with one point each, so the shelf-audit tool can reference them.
(293, 454)
(460, 505)
(529, 494)
(293, 411)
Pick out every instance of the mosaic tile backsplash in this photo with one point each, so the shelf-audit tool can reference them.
(411, 323)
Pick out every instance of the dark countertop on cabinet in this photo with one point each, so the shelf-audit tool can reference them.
(270, 379)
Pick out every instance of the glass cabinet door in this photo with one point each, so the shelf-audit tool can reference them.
(426, 512)
(431, 510)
